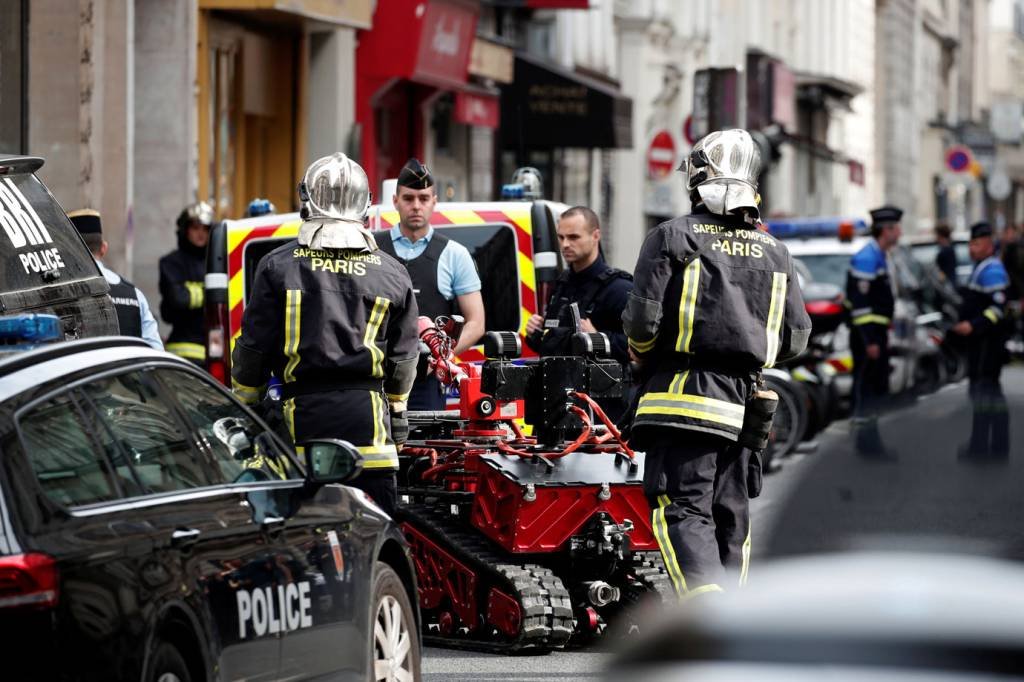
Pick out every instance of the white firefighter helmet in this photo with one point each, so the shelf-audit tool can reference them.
(335, 188)
(531, 180)
(722, 169)
(199, 212)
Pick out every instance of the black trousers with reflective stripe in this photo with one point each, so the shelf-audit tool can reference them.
(696, 484)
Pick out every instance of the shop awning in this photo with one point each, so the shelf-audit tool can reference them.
(354, 13)
(547, 107)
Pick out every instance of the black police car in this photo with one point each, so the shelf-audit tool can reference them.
(44, 265)
(152, 528)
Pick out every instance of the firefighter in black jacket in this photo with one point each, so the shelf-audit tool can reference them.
(869, 297)
(599, 290)
(181, 283)
(983, 322)
(702, 327)
(334, 318)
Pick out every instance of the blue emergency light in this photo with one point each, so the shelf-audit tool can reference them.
(513, 190)
(805, 228)
(29, 329)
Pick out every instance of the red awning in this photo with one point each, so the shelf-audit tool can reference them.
(424, 41)
(477, 108)
(558, 4)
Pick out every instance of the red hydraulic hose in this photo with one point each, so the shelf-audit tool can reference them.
(607, 422)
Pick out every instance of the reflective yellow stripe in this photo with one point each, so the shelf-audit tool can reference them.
(690, 399)
(694, 414)
(642, 346)
(195, 294)
(746, 558)
(773, 327)
(379, 429)
(870, 319)
(289, 419)
(678, 384)
(398, 397)
(991, 314)
(710, 587)
(668, 553)
(380, 305)
(184, 349)
(292, 329)
(247, 394)
(688, 305)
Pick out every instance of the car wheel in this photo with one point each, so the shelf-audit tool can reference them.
(394, 641)
(168, 665)
(790, 420)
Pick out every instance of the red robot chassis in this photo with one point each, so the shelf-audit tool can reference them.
(525, 543)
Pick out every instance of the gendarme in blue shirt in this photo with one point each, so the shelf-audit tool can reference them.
(456, 272)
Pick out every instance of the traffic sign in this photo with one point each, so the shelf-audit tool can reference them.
(688, 130)
(959, 158)
(661, 155)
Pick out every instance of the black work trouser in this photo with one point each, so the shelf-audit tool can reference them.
(426, 394)
(696, 484)
(870, 377)
(990, 424)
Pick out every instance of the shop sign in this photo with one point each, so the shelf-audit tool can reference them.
(489, 60)
(445, 42)
(475, 109)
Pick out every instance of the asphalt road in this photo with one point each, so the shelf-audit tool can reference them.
(927, 494)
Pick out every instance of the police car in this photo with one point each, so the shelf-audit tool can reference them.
(152, 528)
(44, 265)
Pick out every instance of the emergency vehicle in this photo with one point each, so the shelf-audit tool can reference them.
(513, 244)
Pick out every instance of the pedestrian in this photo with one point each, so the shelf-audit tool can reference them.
(442, 270)
(945, 258)
(599, 290)
(714, 301)
(869, 296)
(983, 324)
(133, 314)
(181, 283)
(334, 319)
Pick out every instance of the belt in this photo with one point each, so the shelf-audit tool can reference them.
(310, 386)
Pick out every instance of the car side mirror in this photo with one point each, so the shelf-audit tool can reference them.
(329, 460)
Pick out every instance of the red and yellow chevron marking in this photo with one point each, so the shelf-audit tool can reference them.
(238, 237)
(516, 217)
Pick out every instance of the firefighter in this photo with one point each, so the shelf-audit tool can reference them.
(869, 297)
(983, 323)
(181, 283)
(334, 318)
(134, 317)
(714, 300)
(599, 290)
(442, 271)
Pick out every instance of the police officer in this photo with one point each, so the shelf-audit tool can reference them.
(334, 318)
(599, 290)
(133, 313)
(442, 271)
(181, 283)
(869, 297)
(714, 300)
(984, 325)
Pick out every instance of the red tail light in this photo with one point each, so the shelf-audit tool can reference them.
(823, 308)
(28, 580)
(217, 344)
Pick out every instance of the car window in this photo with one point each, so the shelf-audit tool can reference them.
(142, 423)
(493, 248)
(830, 268)
(227, 430)
(70, 469)
(37, 238)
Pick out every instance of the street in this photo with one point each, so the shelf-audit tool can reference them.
(829, 499)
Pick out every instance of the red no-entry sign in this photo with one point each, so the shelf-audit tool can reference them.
(661, 155)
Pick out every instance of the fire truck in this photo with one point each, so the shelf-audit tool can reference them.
(510, 241)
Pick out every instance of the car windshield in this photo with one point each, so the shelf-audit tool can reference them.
(830, 268)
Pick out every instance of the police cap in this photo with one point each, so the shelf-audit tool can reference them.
(86, 221)
(981, 229)
(415, 175)
(886, 214)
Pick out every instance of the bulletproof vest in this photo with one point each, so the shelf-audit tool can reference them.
(558, 329)
(423, 273)
(126, 304)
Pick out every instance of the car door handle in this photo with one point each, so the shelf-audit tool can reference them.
(185, 537)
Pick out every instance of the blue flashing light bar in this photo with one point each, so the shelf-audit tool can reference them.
(29, 329)
(513, 190)
(805, 228)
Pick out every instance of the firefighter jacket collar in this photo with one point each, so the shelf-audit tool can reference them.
(336, 234)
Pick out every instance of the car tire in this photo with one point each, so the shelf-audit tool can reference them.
(394, 637)
(168, 665)
(790, 421)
